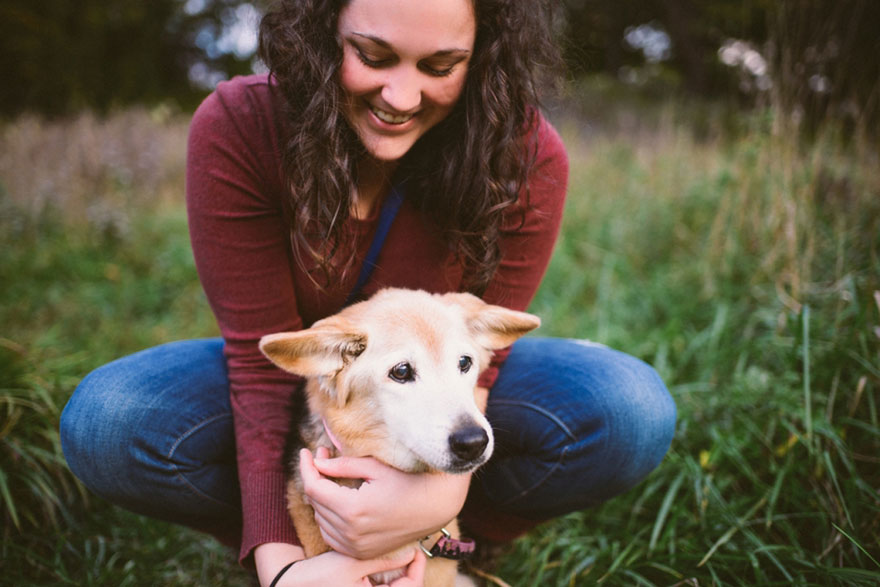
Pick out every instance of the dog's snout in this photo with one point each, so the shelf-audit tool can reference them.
(468, 443)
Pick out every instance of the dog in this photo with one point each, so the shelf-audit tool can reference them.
(394, 378)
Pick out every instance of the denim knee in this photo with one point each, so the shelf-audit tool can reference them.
(91, 447)
(576, 424)
(153, 433)
(638, 421)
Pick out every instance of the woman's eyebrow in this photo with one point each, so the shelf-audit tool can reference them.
(383, 43)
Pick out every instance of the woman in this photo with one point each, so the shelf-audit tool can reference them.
(288, 177)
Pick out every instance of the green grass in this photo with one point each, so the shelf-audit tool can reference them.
(95, 264)
(747, 271)
(744, 266)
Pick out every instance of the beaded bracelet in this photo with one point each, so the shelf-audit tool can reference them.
(281, 572)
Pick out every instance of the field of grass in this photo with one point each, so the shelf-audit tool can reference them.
(744, 265)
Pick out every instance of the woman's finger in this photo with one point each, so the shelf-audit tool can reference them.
(401, 560)
(317, 487)
(349, 467)
(331, 512)
(415, 572)
(333, 568)
(332, 535)
(307, 471)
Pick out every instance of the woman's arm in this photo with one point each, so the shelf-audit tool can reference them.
(241, 249)
(270, 558)
(331, 568)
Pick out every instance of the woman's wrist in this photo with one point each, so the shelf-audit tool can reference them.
(273, 557)
(281, 573)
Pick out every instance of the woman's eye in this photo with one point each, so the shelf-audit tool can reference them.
(464, 363)
(437, 70)
(368, 61)
(402, 373)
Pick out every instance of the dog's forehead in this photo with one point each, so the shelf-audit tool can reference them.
(430, 322)
(425, 318)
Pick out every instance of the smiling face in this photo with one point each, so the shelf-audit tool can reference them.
(403, 68)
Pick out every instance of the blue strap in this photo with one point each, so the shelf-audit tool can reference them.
(386, 218)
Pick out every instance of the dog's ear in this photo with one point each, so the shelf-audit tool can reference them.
(320, 351)
(494, 327)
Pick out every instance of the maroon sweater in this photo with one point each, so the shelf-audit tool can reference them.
(242, 250)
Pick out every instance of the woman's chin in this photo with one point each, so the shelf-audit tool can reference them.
(387, 151)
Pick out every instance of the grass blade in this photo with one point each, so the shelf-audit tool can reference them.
(832, 474)
(7, 499)
(857, 545)
(733, 530)
(808, 400)
(668, 500)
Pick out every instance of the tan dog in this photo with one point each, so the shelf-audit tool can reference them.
(395, 378)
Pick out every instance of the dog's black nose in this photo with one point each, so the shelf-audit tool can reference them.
(468, 443)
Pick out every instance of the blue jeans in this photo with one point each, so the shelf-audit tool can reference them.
(575, 424)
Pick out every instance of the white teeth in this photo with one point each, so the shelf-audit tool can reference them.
(390, 118)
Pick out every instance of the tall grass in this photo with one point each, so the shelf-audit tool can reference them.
(748, 272)
(94, 264)
(744, 266)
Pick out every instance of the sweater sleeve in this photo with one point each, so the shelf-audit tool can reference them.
(529, 233)
(241, 249)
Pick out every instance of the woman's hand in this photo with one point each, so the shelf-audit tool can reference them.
(333, 568)
(390, 509)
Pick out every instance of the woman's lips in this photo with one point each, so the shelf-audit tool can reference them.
(390, 118)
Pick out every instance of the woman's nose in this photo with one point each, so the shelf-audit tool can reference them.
(403, 90)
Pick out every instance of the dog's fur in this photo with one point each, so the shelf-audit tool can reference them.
(395, 378)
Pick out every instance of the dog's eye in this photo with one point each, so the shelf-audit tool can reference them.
(464, 363)
(402, 373)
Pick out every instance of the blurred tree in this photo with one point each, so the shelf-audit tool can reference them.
(826, 61)
(698, 29)
(59, 56)
(813, 58)
(595, 32)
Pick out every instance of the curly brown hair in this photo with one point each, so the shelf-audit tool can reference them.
(463, 174)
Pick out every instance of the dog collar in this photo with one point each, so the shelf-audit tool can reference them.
(336, 444)
(449, 547)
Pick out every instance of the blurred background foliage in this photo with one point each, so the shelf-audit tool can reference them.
(811, 58)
